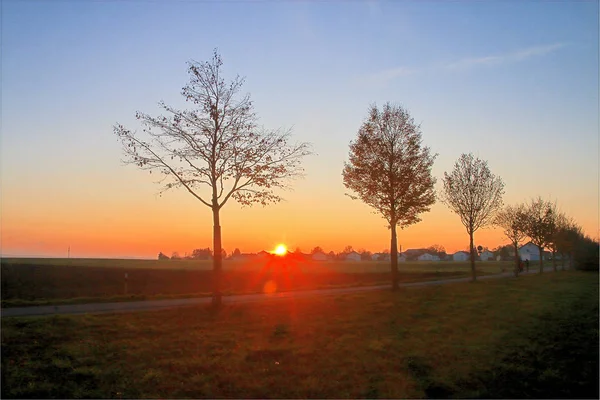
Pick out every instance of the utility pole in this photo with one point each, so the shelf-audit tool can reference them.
(69, 252)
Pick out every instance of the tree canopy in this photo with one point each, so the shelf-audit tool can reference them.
(389, 169)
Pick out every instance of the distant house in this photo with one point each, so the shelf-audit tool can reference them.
(530, 251)
(460, 256)
(428, 257)
(319, 256)
(486, 256)
(353, 256)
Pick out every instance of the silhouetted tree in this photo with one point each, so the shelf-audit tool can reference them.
(365, 255)
(162, 256)
(586, 253)
(175, 256)
(390, 170)
(511, 220)
(385, 255)
(347, 250)
(567, 236)
(538, 223)
(317, 249)
(475, 194)
(201, 254)
(505, 252)
(215, 150)
(438, 250)
(237, 252)
(557, 219)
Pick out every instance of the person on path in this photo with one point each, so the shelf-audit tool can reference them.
(520, 265)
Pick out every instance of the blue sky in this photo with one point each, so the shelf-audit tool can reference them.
(514, 82)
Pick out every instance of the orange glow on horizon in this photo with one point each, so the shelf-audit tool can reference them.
(280, 250)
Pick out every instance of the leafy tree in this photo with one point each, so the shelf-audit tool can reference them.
(331, 255)
(475, 194)
(215, 151)
(236, 252)
(511, 219)
(390, 170)
(317, 249)
(175, 256)
(538, 225)
(162, 256)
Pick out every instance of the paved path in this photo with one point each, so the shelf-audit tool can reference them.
(98, 308)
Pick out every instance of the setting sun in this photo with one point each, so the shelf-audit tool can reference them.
(280, 250)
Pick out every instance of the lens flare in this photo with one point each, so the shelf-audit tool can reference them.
(270, 287)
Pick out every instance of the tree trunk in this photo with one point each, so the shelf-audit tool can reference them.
(517, 258)
(217, 259)
(554, 260)
(394, 255)
(473, 274)
(541, 250)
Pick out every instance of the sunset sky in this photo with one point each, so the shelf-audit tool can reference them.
(516, 83)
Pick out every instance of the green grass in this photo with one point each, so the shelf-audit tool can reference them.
(536, 336)
(27, 282)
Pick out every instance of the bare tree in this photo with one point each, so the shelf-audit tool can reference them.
(510, 219)
(438, 250)
(215, 151)
(538, 225)
(347, 250)
(475, 194)
(390, 170)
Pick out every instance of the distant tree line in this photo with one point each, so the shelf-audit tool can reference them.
(197, 254)
(546, 226)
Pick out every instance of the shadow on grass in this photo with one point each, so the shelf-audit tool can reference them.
(554, 357)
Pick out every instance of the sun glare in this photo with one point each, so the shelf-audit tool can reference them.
(280, 250)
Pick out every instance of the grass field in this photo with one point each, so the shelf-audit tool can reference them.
(28, 282)
(532, 337)
(230, 265)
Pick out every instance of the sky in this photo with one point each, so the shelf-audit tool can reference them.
(515, 83)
